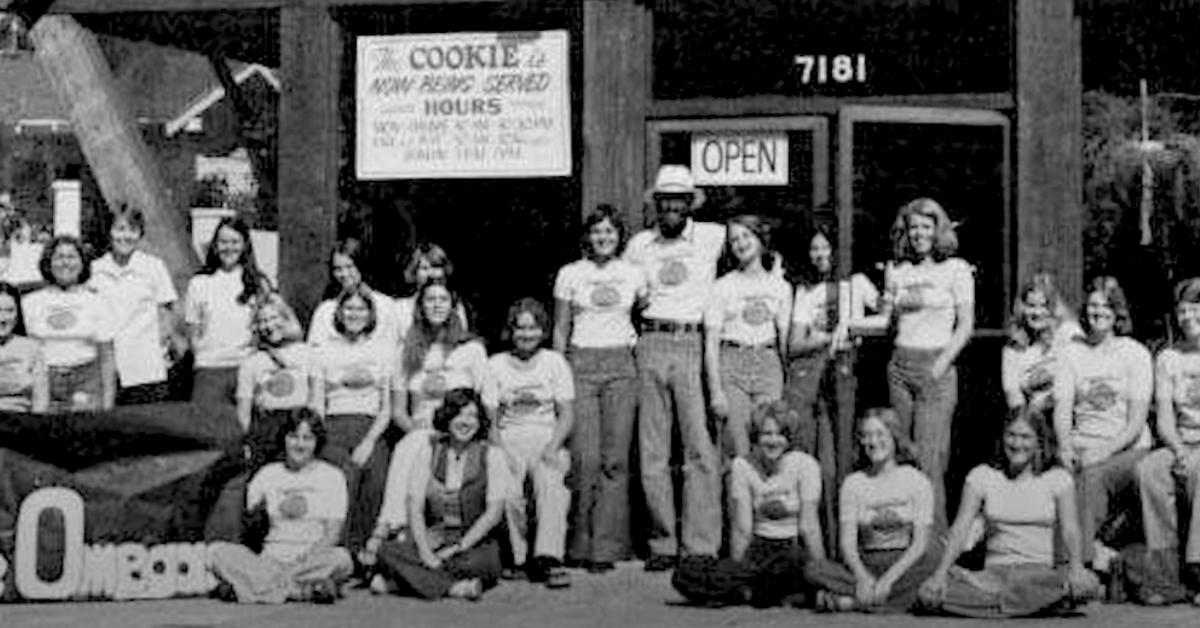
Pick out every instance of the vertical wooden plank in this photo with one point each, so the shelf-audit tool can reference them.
(616, 59)
(310, 62)
(1049, 167)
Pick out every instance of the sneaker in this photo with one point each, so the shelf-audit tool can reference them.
(379, 585)
(323, 592)
(538, 569)
(1103, 557)
(470, 589)
(660, 562)
(557, 578)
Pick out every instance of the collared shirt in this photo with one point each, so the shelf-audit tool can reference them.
(679, 271)
(601, 299)
(749, 310)
(70, 323)
(134, 292)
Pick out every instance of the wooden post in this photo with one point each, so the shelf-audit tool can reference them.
(616, 90)
(125, 168)
(310, 66)
(1049, 89)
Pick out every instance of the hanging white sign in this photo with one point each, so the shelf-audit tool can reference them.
(463, 105)
(740, 158)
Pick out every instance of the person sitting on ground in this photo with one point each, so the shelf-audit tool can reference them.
(886, 515)
(773, 497)
(1024, 498)
(305, 502)
(457, 494)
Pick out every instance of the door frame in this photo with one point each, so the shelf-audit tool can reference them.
(849, 115)
(817, 125)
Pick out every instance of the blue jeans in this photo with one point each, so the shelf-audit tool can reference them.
(750, 376)
(926, 410)
(605, 408)
(669, 368)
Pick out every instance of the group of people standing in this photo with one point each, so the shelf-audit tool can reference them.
(386, 441)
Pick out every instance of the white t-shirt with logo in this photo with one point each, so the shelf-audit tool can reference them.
(814, 306)
(223, 337)
(748, 309)
(1102, 381)
(280, 382)
(680, 271)
(940, 288)
(134, 292)
(1021, 514)
(1177, 377)
(463, 367)
(886, 508)
(355, 374)
(69, 323)
(525, 392)
(601, 299)
(298, 504)
(797, 480)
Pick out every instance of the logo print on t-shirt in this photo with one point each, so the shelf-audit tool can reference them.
(1191, 389)
(358, 377)
(293, 506)
(673, 273)
(281, 384)
(604, 295)
(756, 312)
(524, 402)
(1098, 396)
(61, 318)
(434, 384)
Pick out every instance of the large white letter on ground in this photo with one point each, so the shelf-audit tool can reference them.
(70, 505)
(99, 572)
(131, 574)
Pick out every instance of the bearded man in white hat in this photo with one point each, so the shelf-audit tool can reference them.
(679, 257)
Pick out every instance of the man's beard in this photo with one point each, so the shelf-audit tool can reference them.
(671, 230)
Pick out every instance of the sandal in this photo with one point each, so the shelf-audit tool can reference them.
(470, 590)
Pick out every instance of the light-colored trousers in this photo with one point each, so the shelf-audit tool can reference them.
(259, 579)
(551, 499)
(1157, 484)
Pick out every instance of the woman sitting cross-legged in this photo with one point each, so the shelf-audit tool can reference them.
(886, 513)
(456, 497)
(305, 502)
(773, 496)
(1023, 498)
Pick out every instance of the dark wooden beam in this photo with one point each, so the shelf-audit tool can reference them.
(310, 49)
(615, 94)
(1049, 168)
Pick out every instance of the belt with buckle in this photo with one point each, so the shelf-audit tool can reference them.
(669, 326)
(746, 345)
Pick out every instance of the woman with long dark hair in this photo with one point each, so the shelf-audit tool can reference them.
(884, 528)
(458, 491)
(1024, 499)
(428, 262)
(75, 327)
(218, 310)
(1102, 392)
(593, 326)
(746, 331)
(348, 266)
(930, 295)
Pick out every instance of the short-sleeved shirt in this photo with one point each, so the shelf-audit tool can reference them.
(526, 392)
(71, 324)
(679, 271)
(321, 329)
(1104, 380)
(747, 309)
(277, 379)
(223, 337)
(1177, 377)
(462, 367)
(601, 299)
(298, 504)
(1028, 372)
(134, 292)
(1021, 514)
(886, 508)
(20, 361)
(816, 306)
(940, 288)
(797, 480)
(356, 375)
